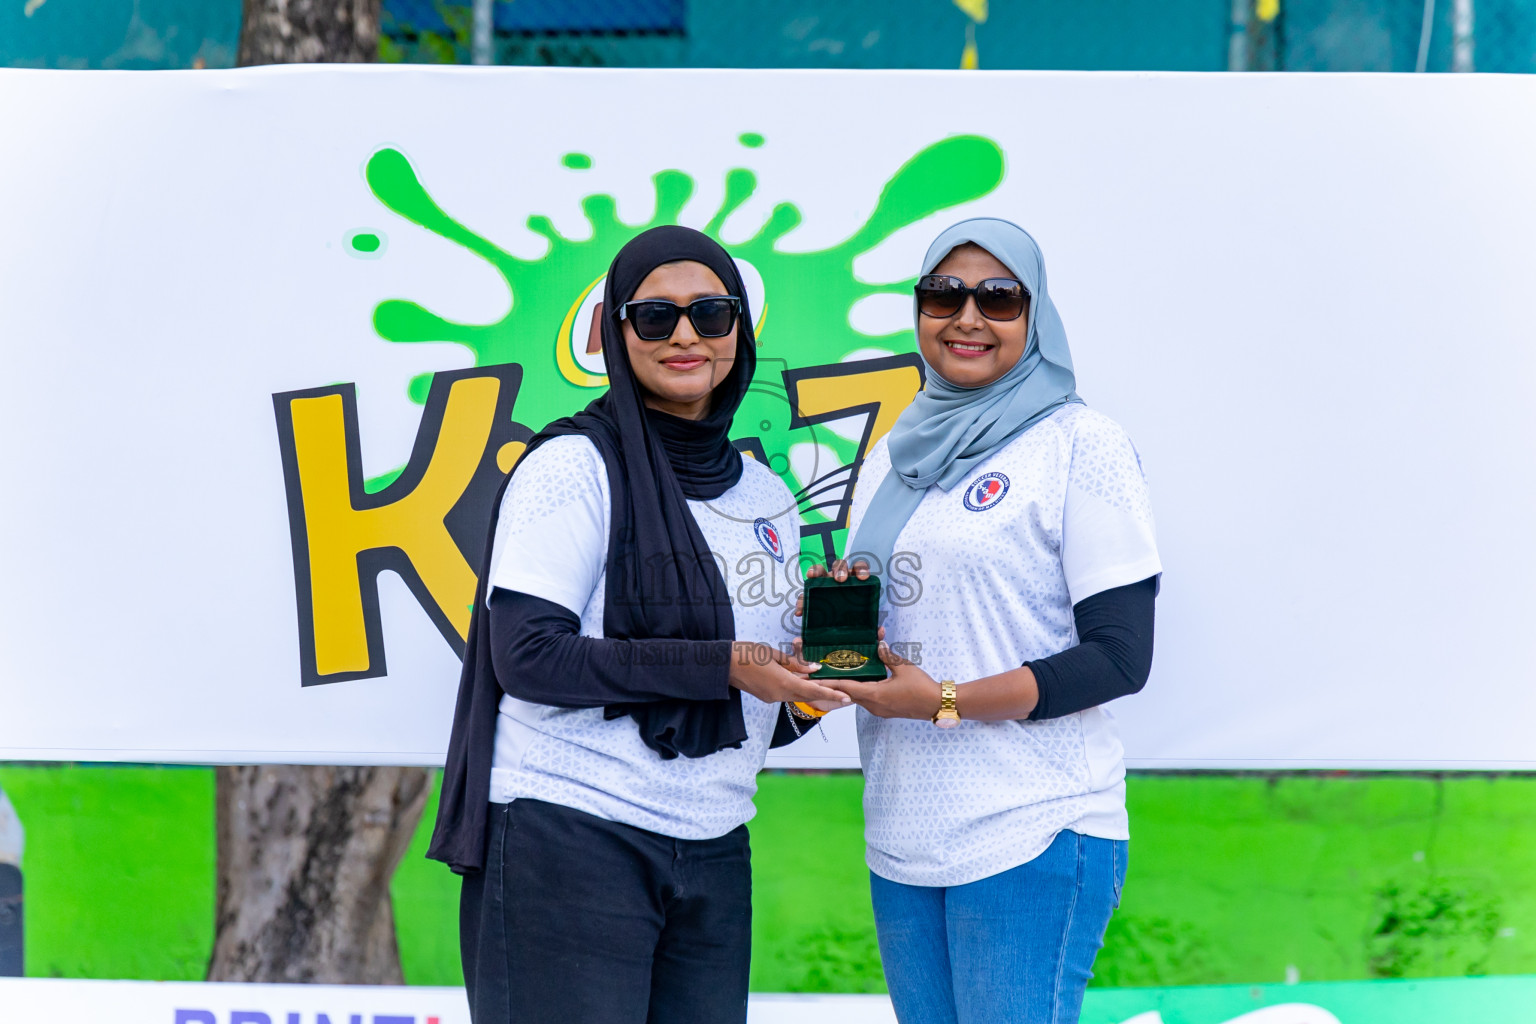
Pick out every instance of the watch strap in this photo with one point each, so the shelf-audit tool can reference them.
(949, 711)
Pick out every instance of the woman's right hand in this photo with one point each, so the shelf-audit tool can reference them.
(771, 675)
(840, 571)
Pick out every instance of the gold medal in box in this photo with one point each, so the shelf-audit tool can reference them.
(842, 628)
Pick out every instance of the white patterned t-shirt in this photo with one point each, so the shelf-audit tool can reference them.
(984, 578)
(552, 542)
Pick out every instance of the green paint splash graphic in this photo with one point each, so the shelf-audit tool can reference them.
(805, 319)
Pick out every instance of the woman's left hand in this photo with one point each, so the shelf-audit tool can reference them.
(909, 692)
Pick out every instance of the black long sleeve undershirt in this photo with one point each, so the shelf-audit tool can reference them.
(540, 656)
(1113, 656)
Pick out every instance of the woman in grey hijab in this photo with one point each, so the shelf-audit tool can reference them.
(994, 779)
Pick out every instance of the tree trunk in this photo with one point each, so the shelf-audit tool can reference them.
(305, 859)
(12, 840)
(308, 32)
(306, 854)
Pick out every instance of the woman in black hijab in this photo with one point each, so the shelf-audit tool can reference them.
(617, 700)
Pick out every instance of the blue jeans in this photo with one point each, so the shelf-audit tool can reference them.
(1015, 948)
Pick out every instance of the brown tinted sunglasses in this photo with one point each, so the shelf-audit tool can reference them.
(998, 298)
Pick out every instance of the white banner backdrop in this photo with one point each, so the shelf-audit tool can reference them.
(223, 297)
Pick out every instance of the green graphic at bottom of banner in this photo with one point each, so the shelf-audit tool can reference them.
(1429, 1001)
(1359, 887)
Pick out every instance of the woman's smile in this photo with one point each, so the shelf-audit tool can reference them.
(684, 362)
(968, 349)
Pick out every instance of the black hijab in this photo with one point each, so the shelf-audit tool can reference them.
(662, 580)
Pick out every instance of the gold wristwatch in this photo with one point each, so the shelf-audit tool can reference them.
(948, 715)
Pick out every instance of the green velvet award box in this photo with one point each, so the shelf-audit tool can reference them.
(842, 628)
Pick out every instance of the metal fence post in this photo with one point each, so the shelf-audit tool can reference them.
(1463, 36)
(1426, 33)
(1238, 55)
(481, 32)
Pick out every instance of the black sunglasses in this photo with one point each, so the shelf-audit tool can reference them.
(998, 298)
(656, 319)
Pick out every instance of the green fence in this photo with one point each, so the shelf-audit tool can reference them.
(1176, 35)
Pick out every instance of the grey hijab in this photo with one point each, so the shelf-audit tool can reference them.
(948, 430)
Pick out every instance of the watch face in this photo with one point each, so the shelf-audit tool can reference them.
(946, 722)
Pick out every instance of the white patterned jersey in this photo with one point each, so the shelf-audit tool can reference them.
(984, 578)
(552, 542)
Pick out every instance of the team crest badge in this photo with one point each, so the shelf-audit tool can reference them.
(768, 537)
(986, 492)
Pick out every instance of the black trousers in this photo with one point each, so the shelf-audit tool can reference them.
(578, 920)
